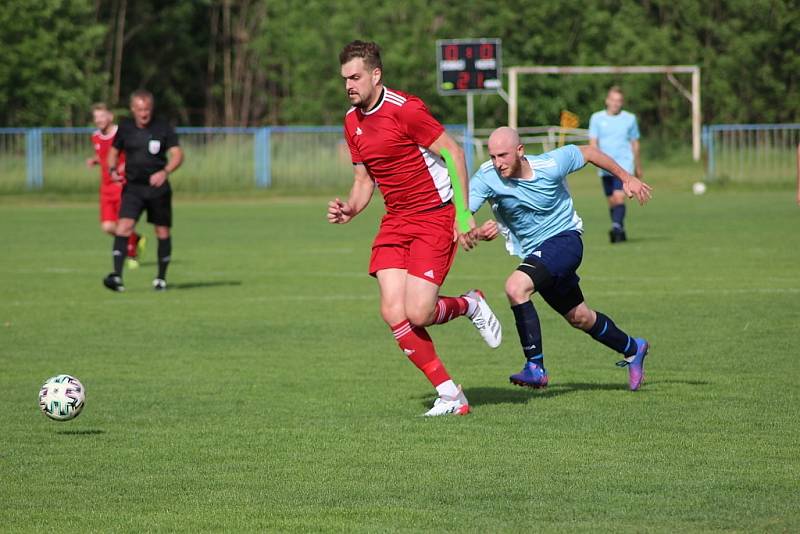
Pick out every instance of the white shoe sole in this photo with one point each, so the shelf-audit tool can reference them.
(486, 321)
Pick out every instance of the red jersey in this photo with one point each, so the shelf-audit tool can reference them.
(102, 142)
(392, 141)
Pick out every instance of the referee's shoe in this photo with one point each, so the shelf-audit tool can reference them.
(114, 282)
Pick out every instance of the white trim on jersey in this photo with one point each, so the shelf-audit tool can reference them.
(349, 111)
(394, 98)
(438, 171)
(542, 163)
(103, 136)
(376, 108)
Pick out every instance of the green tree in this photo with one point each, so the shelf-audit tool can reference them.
(49, 73)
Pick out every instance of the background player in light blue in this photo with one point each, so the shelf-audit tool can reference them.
(534, 211)
(615, 132)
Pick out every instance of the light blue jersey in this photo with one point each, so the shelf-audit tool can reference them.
(614, 134)
(535, 209)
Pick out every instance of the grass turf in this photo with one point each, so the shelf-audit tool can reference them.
(263, 392)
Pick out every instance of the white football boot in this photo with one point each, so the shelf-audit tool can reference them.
(446, 405)
(485, 320)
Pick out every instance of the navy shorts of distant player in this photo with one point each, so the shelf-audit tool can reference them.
(146, 149)
(535, 213)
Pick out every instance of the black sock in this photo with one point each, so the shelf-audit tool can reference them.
(530, 332)
(164, 255)
(607, 333)
(120, 252)
(618, 216)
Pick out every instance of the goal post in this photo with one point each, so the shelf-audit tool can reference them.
(692, 96)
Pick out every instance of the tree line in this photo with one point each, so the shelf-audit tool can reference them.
(270, 62)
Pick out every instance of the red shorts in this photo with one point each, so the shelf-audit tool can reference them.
(110, 199)
(420, 243)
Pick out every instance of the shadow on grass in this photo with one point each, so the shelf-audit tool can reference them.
(200, 285)
(87, 432)
(517, 395)
(154, 263)
(681, 382)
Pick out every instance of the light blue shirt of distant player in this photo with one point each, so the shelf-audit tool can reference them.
(530, 210)
(614, 134)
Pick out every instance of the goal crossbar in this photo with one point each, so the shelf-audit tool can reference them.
(669, 70)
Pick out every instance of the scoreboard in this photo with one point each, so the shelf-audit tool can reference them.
(468, 66)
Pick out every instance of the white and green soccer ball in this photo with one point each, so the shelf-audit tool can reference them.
(62, 397)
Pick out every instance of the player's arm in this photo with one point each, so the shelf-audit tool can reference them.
(174, 160)
(444, 141)
(341, 212)
(113, 159)
(447, 142)
(637, 162)
(633, 186)
(487, 231)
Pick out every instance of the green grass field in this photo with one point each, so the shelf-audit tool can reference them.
(262, 392)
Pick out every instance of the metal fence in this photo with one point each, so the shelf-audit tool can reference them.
(754, 153)
(217, 159)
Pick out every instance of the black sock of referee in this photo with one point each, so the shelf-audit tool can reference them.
(120, 252)
(164, 255)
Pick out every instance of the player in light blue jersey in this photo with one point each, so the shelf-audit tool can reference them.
(534, 212)
(615, 132)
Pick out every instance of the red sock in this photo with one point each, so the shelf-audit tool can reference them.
(417, 345)
(448, 308)
(133, 240)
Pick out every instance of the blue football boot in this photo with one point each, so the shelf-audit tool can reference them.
(531, 376)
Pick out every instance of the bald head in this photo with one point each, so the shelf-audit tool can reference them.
(507, 153)
(505, 136)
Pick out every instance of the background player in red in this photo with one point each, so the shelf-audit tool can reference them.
(396, 144)
(111, 191)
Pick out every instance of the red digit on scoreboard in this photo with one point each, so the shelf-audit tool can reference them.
(486, 51)
(463, 80)
(469, 53)
(480, 78)
(451, 52)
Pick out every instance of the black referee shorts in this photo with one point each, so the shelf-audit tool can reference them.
(137, 198)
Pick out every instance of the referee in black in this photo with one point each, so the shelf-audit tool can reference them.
(152, 153)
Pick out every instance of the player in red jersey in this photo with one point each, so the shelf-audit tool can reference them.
(395, 143)
(110, 191)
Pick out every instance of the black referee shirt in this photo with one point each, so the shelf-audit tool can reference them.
(145, 148)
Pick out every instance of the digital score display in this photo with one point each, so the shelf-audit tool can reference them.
(468, 66)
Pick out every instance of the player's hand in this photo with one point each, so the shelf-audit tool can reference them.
(339, 212)
(91, 162)
(116, 176)
(635, 188)
(157, 179)
(467, 239)
(488, 231)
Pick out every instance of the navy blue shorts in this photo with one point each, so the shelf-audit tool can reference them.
(610, 184)
(560, 255)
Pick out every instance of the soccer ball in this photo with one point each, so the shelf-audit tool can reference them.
(62, 397)
(698, 188)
